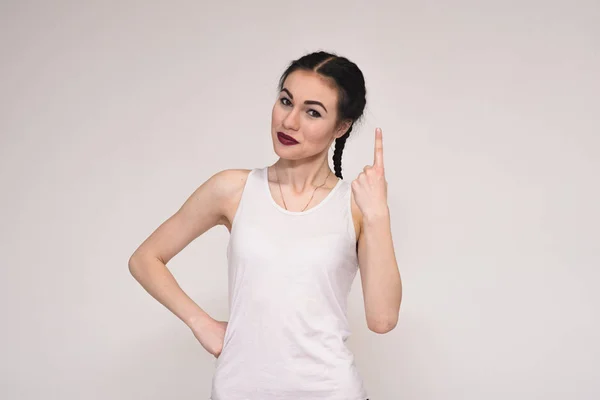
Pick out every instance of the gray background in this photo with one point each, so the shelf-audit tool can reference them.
(114, 112)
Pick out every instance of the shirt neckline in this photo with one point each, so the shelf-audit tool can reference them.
(265, 178)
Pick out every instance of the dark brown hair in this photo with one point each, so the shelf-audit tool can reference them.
(350, 84)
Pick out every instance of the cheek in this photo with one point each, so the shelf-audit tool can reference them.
(276, 114)
(317, 135)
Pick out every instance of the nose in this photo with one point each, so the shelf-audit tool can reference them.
(291, 121)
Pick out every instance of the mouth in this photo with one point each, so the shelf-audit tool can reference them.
(285, 139)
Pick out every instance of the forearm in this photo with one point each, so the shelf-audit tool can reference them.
(380, 268)
(157, 280)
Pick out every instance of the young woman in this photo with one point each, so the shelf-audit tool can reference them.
(298, 235)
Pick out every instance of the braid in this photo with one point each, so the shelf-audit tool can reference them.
(348, 80)
(337, 153)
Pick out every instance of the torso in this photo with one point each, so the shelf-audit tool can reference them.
(230, 207)
(307, 261)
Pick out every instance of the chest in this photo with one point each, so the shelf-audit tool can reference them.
(291, 254)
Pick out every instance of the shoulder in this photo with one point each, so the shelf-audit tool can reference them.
(228, 186)
(229, 182)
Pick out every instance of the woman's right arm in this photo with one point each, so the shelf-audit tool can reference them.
(204, 209)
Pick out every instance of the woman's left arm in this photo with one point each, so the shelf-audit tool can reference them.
(380, 277)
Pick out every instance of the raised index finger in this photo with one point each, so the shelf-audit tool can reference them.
(378, 162)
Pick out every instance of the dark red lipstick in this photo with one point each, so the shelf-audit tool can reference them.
(285, 139)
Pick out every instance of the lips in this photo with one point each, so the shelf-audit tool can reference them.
(286, 138)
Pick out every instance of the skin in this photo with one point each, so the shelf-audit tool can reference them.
(300, 168)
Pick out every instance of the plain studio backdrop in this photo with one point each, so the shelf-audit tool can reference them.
(113, 113)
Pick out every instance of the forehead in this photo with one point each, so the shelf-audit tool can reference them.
(308, 85)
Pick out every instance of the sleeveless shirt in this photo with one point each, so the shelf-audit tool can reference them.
(289, 276)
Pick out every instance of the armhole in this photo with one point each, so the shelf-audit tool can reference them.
(350, 218)
(238, 210)
(352, 230)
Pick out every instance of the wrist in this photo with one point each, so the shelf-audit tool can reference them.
(375, 217)
(199, 322)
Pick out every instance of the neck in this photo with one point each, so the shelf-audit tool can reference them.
(303, 175)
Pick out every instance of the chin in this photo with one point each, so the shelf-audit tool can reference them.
(285, 153)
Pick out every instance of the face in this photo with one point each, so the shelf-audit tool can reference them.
(305, 110)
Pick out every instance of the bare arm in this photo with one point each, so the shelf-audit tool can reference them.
(381, 282)
(204, 209)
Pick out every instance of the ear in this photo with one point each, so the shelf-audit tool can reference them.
(343, 128)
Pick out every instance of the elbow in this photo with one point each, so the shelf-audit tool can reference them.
(140, 264)
(384, 320)
(134, 264)
(382, 325)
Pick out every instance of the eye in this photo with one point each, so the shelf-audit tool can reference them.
(285, 101)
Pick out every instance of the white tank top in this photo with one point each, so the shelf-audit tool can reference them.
(289, 277)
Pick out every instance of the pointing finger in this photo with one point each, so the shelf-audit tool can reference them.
(378, 161)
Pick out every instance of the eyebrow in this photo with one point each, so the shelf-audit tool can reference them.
(306, 101)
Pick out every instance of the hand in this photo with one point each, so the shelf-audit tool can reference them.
(370, 187)
(211, 336)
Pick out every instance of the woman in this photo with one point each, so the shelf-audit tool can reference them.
(298, 234)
